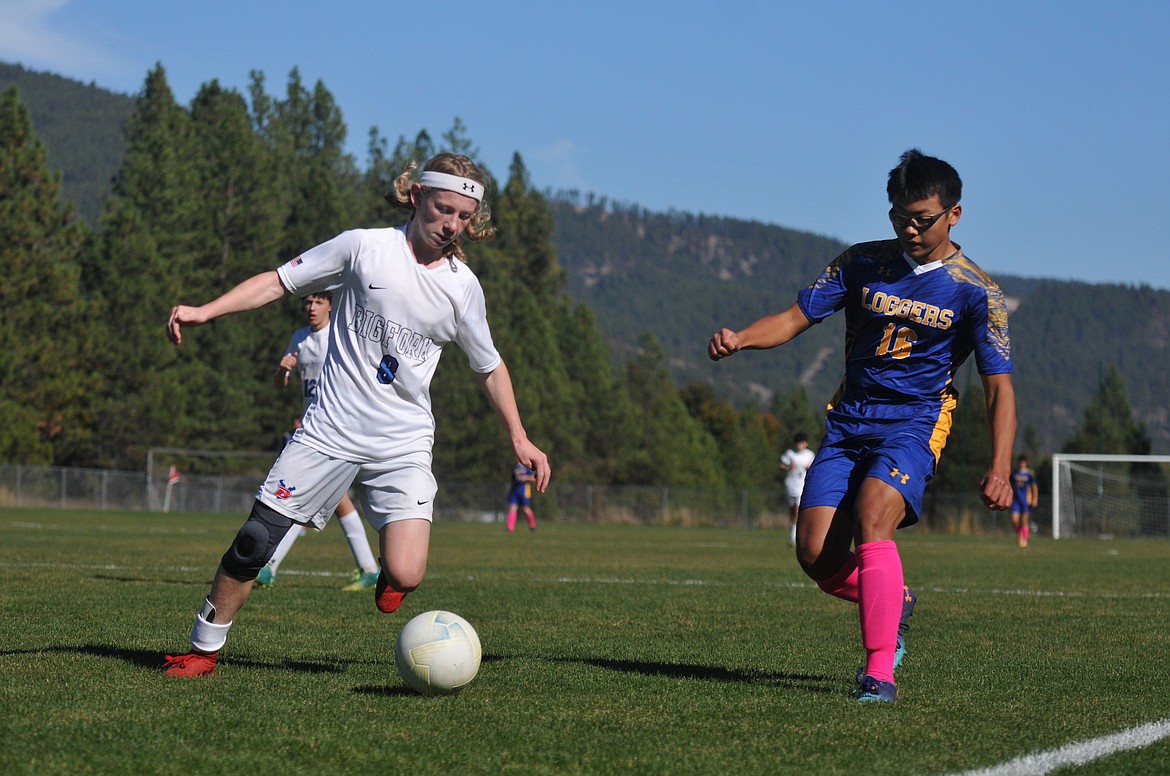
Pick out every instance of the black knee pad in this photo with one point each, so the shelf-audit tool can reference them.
(255, 542)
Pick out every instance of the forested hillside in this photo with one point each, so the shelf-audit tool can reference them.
(82, 127)
(681, 276)
(676, 277)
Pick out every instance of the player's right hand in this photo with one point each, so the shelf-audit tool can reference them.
(287, 365)
(723, 343)
(181, 316)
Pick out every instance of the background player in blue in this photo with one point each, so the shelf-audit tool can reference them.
(915, 308)
(1025, 497)
(520, 496)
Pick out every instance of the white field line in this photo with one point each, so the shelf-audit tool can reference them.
(168, 569)
(630, 581)
(810, 585)
(1079, 752)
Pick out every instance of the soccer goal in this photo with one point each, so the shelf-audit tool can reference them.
(1110, 495)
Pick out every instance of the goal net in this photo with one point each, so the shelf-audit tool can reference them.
(1110, 495)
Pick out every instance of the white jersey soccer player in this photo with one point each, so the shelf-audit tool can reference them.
(796, 463)
(399, 296)
(391, 319)
(306, 353)
(309, 347)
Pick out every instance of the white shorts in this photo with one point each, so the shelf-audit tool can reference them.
(793, 495)
(306, 485)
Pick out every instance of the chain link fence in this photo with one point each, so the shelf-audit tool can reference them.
(53, 487)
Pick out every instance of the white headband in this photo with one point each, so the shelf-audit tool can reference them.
(441, 180)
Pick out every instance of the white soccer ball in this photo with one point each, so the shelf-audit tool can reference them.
(438, 653)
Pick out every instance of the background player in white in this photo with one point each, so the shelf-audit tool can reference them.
(400, 295)
(794, 463)
(305, 354)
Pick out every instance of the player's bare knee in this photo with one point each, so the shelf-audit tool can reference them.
(403, 579)
(255, 542)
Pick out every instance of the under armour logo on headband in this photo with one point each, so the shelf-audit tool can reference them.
(456, 183)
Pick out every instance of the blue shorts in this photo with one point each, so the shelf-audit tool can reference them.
(905, 462)
(1021, 507)
(521, 494)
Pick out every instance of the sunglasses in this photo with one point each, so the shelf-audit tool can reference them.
(920, 223)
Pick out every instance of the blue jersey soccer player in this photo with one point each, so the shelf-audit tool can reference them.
(1025, 497)
(915, 308)
(520, 496)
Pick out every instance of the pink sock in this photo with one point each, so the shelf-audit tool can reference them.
(843, 584)
(1025, 529)
(880, 585)
(511, 519)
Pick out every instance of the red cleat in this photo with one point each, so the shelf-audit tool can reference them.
(192, 664)
(386, 598)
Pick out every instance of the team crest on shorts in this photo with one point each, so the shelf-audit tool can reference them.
(284, 491)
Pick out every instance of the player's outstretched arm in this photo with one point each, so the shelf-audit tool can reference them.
(1000, 395)
(253, 293)
(768, 332)
(497, 384)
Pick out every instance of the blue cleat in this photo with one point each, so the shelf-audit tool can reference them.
(362, 580)
(870, 690)
(908, 601)
(266, 578)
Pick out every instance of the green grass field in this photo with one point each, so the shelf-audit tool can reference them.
(607, 649)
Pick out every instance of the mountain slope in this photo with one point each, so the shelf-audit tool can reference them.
(681, 276)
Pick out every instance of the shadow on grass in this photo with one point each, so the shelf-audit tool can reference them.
(804, 682)
(387, 692)
(153, 660)
(153, 580)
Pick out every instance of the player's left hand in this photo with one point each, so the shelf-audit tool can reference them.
(534, 458)
(996, 491)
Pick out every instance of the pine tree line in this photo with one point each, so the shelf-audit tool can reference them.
(210, 194)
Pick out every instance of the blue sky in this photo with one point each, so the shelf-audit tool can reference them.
(1056, 114)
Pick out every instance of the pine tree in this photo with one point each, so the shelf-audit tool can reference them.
(138, 270)
(229, 367)
(317, 179)
(674, 449)
(1108, 425)
(603, 414)
(525, 223)
(45, 372)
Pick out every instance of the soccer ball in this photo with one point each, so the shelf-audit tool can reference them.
(438, 653)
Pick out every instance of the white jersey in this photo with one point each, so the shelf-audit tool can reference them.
(391, 319)
(310, 348)
(797, 462)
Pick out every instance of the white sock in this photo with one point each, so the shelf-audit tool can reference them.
(285, 545)
(793, 537)
(207, 636)
(359, 544)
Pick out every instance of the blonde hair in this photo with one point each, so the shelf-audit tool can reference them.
(452, 164)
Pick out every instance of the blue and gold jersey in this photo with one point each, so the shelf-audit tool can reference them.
(907, 331)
